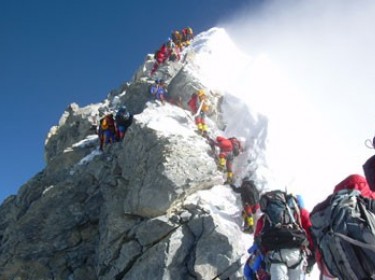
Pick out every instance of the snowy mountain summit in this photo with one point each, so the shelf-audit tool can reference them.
(154, 205)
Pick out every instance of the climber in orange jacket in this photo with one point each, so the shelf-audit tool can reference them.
(199, 106)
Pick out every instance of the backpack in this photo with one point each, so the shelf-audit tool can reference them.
(203, 98)
(282, 222)
(104, 124)
(192, 103)
(122, 116)
(206, 105)
(176, 37)
(236, 146)
(249, 193)
(343, 230)
(369, 170)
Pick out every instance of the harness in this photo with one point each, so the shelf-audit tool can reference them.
(282, 261)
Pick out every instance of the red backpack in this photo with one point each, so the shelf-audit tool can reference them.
(192, 103)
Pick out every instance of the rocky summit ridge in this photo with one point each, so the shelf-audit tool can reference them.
(150, 207)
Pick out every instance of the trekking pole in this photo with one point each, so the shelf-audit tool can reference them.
(199, 109)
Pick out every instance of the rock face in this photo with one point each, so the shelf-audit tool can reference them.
(143, 209)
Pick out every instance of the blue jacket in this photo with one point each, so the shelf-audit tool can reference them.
(253, 263)
(158, 92)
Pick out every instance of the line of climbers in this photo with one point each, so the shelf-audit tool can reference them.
(113, 126)
(229, 148)
(338, 234)
(199, 105)
(171, 50)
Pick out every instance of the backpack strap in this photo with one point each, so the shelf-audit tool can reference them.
(293, 219)
(296, 207)
(355, 242)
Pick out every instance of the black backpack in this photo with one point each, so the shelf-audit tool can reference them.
(343, 230)
(282, 222)
(236, 146)
(249, 193)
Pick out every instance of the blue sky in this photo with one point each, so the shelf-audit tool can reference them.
(53, 53)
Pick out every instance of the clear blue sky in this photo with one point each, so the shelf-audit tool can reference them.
(53, 53)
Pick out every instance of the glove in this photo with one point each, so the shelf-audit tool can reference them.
(253, 248)
(310, 263)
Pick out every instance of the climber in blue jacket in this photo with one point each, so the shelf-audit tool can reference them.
(254, 268)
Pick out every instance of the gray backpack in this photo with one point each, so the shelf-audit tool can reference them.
(343, 230)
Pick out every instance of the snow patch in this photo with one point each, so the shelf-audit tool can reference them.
(47, 190)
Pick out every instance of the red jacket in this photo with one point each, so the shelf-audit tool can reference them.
(224, 144)
(193, 103)
(356, 182)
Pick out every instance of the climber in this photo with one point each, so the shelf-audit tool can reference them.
(187, 36)
(225, 159)
(159, 90)
(107, 130)
(170, 44)
(250, 203)
(176, 37)
(160, 57)
(199, 106)
(255, 267)
(123, 120)
(283, 235)
(174, 53)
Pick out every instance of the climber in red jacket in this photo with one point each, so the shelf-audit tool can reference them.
(352, 182)
(356, 182)
(160, 57)
(225, 156)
